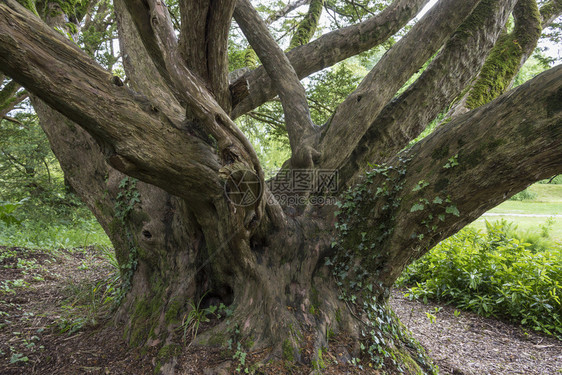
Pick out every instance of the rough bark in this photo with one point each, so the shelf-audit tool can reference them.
(456, 65)
(203, 43)
(509, 54)
(286, 272)
(141, 71)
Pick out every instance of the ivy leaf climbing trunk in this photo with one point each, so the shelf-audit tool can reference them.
(314, 250)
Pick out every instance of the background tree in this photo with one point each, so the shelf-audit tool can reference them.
(284, 263)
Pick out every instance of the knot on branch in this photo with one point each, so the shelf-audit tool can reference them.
(305, 157)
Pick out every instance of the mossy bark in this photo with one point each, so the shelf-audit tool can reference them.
(506, 58)
(274, 281)
(307, 27)
(289, 274)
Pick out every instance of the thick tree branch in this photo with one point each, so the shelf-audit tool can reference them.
(550, 11)
(154, 27)
(307, 27)
(445, 78)
(291, 92)
(330, 49)
(468, 166)
(136, 138)
(354, 116)
(160, 41)
(204, 43)
(505, 60)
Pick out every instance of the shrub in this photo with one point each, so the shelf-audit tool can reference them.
(557, 180)
(525, 195)
(493, 274)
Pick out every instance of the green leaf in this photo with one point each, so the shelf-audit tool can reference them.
(421, 184)
(437, 200)
(453, 210)
(417, 207)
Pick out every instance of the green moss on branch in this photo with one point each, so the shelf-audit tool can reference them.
(29, 5)
(507, 56)
(308, 25)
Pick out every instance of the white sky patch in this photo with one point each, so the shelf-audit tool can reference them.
(426, 8)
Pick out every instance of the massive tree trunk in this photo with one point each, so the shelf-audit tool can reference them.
(202, 224)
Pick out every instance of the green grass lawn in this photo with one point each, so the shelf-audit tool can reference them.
(548, 201)
(528, 207)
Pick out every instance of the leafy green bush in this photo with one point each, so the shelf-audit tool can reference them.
(557, 180)
(493, 274)
(47, 213)
(525, 195)
(7, 212)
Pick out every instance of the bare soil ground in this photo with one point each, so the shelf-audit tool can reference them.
(46, 329)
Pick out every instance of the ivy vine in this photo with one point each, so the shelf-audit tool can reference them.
(358, 252)
(126, 200)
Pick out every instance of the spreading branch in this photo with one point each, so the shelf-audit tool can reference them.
(155, 29)
(458, 63)
(476, 161)
(358, 111)
(328, 50)
(291, 92)
(136, 138)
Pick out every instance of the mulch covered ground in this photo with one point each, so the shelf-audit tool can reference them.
(36, 304)
(466, 343)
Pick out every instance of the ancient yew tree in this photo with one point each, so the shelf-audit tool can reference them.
(202, 223)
